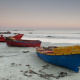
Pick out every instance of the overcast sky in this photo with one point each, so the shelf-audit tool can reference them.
(39, 14)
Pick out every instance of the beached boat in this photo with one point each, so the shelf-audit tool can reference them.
(18, 36)
(22, 43)
(2, 39)
(68, 57)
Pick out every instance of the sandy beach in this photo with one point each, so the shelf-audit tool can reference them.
(22, 63)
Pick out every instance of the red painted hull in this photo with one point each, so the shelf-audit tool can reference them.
(23, 43)
(19, 36)
(2, 39)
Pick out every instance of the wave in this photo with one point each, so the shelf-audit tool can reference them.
(63, 37)
(54, 37)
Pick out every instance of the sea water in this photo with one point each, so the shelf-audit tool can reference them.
(55, 37)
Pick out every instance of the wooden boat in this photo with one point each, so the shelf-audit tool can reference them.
(68, 57)
(22, 43)
(2, 39)
(18, 36)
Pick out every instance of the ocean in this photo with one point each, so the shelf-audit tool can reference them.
(55, 37)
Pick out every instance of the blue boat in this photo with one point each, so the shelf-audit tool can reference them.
(70, 60)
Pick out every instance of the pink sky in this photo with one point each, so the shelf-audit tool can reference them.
(34, 14)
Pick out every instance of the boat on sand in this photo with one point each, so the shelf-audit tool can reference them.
(68, 56)
(2, 39)
(18, 36)
(22, 43)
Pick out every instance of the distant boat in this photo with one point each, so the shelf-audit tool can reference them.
(2, 39)
(22, 43)
(18, 36)
(68, 57)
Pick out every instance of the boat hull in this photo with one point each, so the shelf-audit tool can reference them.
(71, 62)
(18, 36)
(2, 39)
(23, 44)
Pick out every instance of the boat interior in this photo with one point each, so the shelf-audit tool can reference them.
(13, 39)
(50, 48)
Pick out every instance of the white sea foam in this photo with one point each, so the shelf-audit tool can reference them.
(55, 36)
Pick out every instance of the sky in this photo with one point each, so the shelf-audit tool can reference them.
(39, 14)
